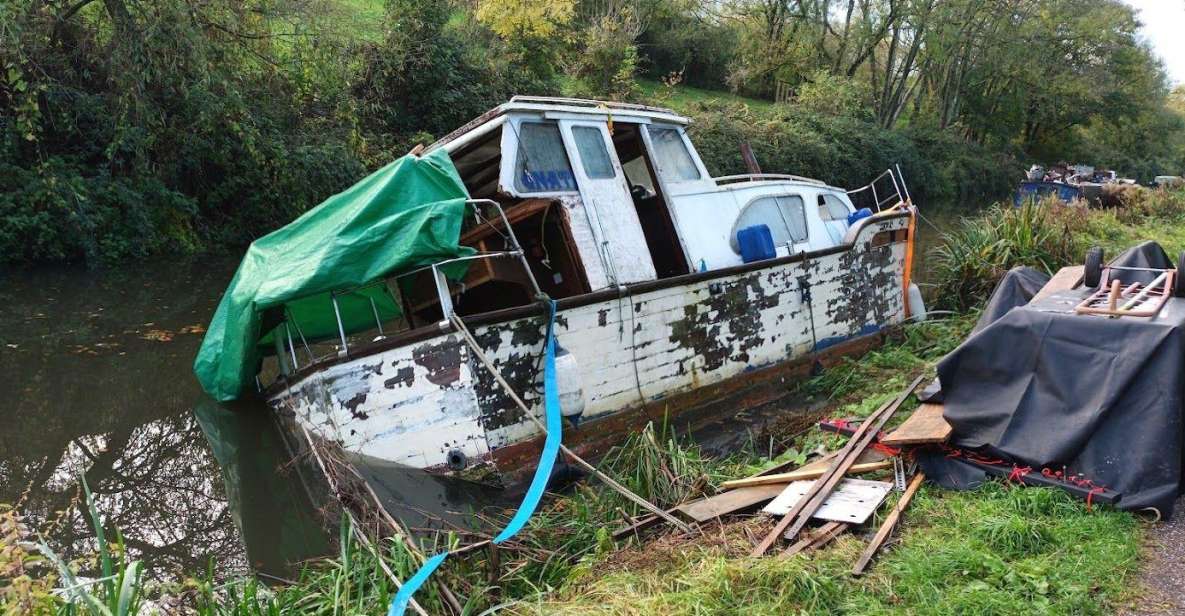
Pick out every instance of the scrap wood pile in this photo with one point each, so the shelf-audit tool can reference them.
(817, 502)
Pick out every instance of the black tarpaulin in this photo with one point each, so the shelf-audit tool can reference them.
(1017, 287)
(1094, 396)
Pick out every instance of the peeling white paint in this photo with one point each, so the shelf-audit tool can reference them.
(423, 400)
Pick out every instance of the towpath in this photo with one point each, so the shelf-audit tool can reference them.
(1163, 575)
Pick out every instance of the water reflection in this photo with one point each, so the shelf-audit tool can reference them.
(269, 501)
(95, 366)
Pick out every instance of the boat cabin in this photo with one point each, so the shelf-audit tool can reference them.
(600, 195)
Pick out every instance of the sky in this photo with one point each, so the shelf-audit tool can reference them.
(1164, 27)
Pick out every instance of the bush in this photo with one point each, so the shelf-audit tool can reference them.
(606, 63)
(976, 255)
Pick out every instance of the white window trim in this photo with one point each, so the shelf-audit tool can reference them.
(510, 143)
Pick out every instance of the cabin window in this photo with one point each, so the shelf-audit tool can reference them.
(832, 208)
(590, 143)
(785, 217)
(674, 161)
(542, 165)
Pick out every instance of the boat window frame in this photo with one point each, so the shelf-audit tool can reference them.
(598, 146)
(520, 155)
(668, 176)
(732, 234)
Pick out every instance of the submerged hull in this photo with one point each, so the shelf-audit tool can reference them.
(423, 400)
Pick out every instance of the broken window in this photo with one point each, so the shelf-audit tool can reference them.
(784, 216)
(674, 161)
(542, 165)
(590, 144)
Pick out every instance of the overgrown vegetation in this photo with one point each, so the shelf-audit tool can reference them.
(136, 128)
(1050, 235)
(998, 550)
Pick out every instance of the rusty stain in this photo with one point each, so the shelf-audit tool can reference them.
(442, 360)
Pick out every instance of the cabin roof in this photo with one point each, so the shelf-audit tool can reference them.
(568, 106)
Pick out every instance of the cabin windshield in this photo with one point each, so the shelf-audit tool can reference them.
(674, 160)
(542, 165)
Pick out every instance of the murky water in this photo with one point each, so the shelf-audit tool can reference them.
(96, 367)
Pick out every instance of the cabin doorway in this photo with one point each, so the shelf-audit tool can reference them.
(651, 204)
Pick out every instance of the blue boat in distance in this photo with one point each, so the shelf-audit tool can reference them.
(1037, 190)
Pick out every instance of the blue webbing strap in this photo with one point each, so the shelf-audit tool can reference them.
(404, 595)
(551, 448)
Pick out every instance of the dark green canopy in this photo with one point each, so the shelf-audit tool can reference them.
(405, 215)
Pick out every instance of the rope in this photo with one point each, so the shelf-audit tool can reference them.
(534, 493)
(612, 483)
(1018, 473)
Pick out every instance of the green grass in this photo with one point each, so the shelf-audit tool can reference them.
(996, 550)
(684, 98)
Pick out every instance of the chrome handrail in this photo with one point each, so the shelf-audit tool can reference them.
(756, 177)
(899, 194)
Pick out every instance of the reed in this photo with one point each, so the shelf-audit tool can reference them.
(976, 255)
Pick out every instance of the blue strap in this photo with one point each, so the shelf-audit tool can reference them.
(403, 597)
(551, 448)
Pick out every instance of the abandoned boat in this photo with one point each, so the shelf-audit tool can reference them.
(674, 289)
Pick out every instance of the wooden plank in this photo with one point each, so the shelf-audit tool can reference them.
(1065, 279)
(802, 474)
(817, 539)
(847, 456)
(821, 462)
(732, 501)
(639, 524)
(824, 537)
(887, 526)
(926, 425)
(798, 517)
(853, 501)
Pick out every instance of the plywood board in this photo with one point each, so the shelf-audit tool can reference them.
(1063, 280)
(728, 502)
(853, 500)
(926, 425)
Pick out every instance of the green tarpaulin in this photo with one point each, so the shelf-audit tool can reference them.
(405, 215)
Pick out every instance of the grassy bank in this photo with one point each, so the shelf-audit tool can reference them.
(996, 550)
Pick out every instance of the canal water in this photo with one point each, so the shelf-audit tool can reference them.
(96, 366)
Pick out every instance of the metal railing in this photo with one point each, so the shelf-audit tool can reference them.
(894, 189)
(759, 177)
(444, 294)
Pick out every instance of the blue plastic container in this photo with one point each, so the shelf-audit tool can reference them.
(858, 214)
(756, 243)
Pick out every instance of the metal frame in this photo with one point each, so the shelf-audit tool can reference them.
(1141, 300)
(900, 192)
(758, 177)
(516, 251)
(442, 288)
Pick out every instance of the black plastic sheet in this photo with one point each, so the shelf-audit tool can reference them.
(1089, 395)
